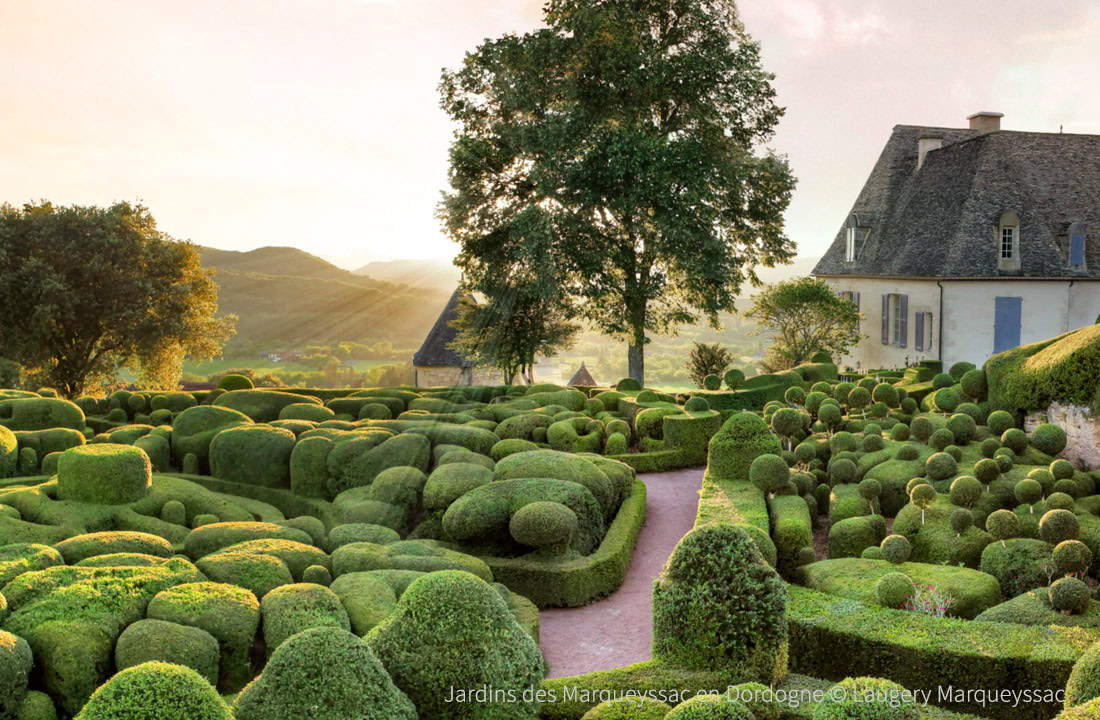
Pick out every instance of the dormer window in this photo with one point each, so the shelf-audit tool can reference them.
(1008, 241)
(1077, 246)
(855, 236)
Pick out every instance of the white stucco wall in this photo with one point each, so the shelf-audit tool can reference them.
(924, 296)
(1049, 308)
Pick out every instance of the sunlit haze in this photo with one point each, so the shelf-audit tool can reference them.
(316, 124)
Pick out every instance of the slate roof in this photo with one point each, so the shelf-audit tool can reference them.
(434, 351)
(939, 221)
(583, 377)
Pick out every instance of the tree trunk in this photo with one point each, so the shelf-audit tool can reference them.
(636, 349)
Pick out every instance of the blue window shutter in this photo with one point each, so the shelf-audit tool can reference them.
(1007, 316)
(1077, 250)
(904, 319)
(885, 319)
(918, 331)
(855, 298)
(931, 331)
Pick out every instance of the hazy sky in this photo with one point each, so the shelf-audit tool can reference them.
(315, 123)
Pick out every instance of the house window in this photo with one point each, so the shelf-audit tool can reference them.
(895, 323)
(850, 254)
(855, 237)
(1008, 243)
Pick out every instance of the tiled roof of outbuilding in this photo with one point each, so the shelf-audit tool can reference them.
(434, 351)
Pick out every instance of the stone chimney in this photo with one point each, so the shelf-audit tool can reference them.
(925, 145)
(985, 122)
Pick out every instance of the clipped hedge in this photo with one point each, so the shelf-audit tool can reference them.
(1031, 377)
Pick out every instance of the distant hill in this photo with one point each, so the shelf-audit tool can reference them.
(435, 273)
(287, 298)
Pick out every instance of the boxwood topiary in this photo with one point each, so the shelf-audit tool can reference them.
(895, 549)
(36, 706)
(769, 473)
(941, 438)
(359, 532)
(711, 707)
(1084, 680)
(79, 547)
(156, 691)
(194, 429)
(973, 384)
(1017, 563)
(1058, 525)
(962, 427)
(253, 455)
(941, 466)
(15, 668)
(894, 590)
(256, 572)
(868, 698)
(420, 555)
(210, 538)
(1070, 595)
(104, 474)
(543, 524)
(354, 682)
(1062, 469)
(160, 641)
(742, 438)
(449, 614)
(718, 605)
(231, 614)
(1015, 440)
(629, 708)
(291, 609)
(232, 381)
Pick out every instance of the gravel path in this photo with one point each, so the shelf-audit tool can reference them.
(617, 630)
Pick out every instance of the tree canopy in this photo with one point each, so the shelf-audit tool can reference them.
(87, 291)
(618, 146)
(807, 316)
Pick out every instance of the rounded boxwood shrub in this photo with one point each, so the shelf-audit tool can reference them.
(965, 491)
(359, 532)
(629, 708)
(15, 668)
(308, 411)
(1062, 469)
(946, 400)
(712, 382)
(1070, 595)
(999, 422)
(741, 439)
(156, 691)
(842, 470)
(160, 641)
(1084, 679)
(256, 572)
(1002, 525)
(1058, 525)
(194, 429)
(1049, 438)
(174, 512)
(1059, 501)
(291, 609)
(962, 427)
(873, 552)
(961, 520)
(37, 706)
(973, 384)
(230, 613)
(769, 472)
(510, 446)
(317, 575)
(896, 549)
(900, 432)
(941, 438)
(942, 380)
(697, 404)
(718, 605)
(986, 470)
(450, 614)
(104, 474)
(894, 589)
(232, 381)
(1004, 459)
(907, 452)
(253, 455)
(711, 707)
(354, 682)
(1071, 556)
(1015, 440)
(1028, 492)
(616, 444)
(1067, 487)
(297, 555)
(212, 537)
(921, 428)
(866, 699)
(543, 524)
(954, 451)
(734, 378)
(89, 545)
(941, 466)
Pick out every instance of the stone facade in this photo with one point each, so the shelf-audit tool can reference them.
(454, 375)
(1082, 432)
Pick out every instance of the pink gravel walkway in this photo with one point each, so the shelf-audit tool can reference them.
(617, 630)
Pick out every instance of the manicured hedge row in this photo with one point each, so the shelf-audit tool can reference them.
(834, 638)
(656, 461)
(791, 530)
(287, 502)
(576, 582)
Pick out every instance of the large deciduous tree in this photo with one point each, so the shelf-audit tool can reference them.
(807, 316)
(619, 145)
(86, 291)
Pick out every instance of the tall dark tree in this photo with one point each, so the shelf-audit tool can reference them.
(619, 145)
(86, 291)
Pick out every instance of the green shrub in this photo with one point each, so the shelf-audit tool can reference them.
(543, 524)
(1070, 595)
(15, 668)
(921, 429)
(868, 698)
(454, 614)
(42, 414)
(717, 604)
(406, 450)
(156, 691)
(449, 482)
(256, 572)
(962, 427)
(942, 380)
(253, 455)
(575, 436)
(1071, 556)
(216, 536)
(80, 547)
(893, 590)
(231, 614)
(354, 681)
(711, 707)
(36, 706)
(160, 641)
(1049, 438)
(965, 491)
(769, 473)
(1058, 525)
(849, 537)
(297, 555)
(104, 474)
(1015, 440)
(631, 708)
(418, 555)
(262, 405)
(194, 429)
(21, 558)
(510, 446)
(896, 549)
(941, 466)
(742, 438)
(1032, 376)
(563, 466)
(291, 609)
(1084, 681)
(359, 532)
(973, 384)
(231, 382)
(1002, 525)
(941, 439)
